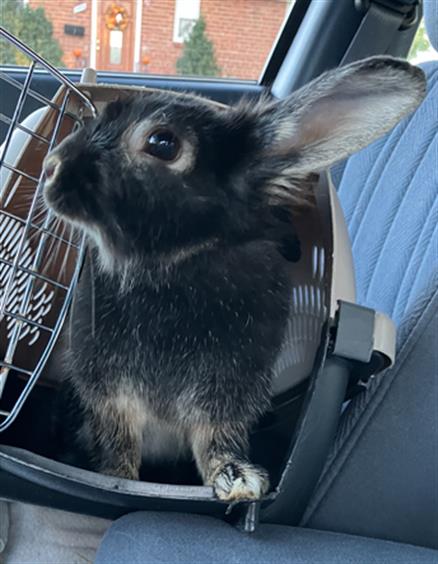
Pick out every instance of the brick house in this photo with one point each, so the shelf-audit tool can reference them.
(148, 35)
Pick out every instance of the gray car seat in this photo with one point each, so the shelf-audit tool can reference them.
(381, 480)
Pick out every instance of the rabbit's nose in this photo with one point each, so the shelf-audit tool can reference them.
(51, 167)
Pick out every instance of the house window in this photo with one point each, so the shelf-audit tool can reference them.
(186, 14)
(116, 46)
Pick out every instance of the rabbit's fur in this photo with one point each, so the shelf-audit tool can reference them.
(182, 308)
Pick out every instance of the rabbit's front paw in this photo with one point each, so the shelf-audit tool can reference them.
(235, 481)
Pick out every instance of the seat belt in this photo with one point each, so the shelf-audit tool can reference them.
(378, 28)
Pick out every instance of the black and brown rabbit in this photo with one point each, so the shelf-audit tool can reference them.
(186, 206)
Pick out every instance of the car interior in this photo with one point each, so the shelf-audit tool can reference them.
(366, 487)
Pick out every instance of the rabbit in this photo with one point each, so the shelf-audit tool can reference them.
(182, 308)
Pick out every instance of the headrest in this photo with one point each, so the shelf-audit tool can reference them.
(431, 19)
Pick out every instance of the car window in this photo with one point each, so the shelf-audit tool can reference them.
(212, 38)
(422, 49)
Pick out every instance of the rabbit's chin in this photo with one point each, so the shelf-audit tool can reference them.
(63, 205)
(56, 203)
(107, 258)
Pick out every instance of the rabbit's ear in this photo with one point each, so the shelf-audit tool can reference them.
(340, 112)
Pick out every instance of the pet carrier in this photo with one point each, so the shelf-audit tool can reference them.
(328, 340)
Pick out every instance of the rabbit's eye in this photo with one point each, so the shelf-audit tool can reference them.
(163, 144)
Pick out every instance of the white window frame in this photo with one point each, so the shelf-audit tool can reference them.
(185, 9)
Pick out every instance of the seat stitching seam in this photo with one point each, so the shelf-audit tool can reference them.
(368, 189)
(426, 248)
(391, 224)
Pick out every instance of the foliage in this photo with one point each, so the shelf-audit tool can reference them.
(33, 28)
(421, 42)
(198, 58)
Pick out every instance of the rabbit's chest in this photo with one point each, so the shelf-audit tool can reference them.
(182, 319)
(229, 320)
(176, 323)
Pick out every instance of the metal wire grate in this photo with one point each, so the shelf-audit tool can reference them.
(40, 258)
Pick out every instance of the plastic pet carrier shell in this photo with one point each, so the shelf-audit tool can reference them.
(329, 338)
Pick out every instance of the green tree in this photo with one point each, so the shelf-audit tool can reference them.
(421, 42)
(198, 58)
(33, 28)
